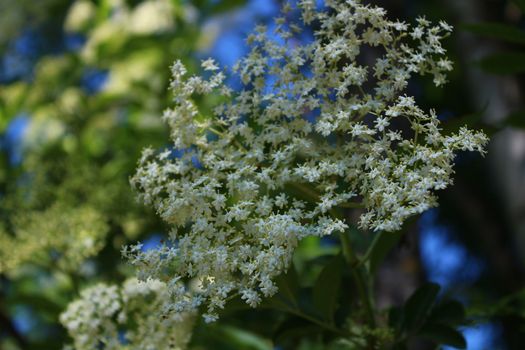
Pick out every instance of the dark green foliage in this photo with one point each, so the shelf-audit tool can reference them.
(504, 63)
(516, 119)
(327, 289)
(443, 335)
(521, 4)
(498, 31)
(288, 296)
(418, 306)
(383, 243)
(424, 316)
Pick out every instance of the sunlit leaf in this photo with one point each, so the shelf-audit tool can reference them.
(245, 340)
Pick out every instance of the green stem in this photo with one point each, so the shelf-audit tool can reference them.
(297, 312)
(316, 321)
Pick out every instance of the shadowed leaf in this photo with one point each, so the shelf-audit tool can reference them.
(450, 312)
(504, 63)
(515, 120)
(326, 288)
(418, 306)
(287, 297)
(521, 4)
(383, 244)
(443, 335)
(498, 31)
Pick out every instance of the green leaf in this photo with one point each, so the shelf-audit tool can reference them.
(443, 335)
(504, 63)
(515, 120)
(287, 297)
(381, 246)
(326, 289)
(245, 340)
(497, 30)
(418, 306)
(395, 317)
(450, 312)
(355, 343)
(103, 11)
(294, 328)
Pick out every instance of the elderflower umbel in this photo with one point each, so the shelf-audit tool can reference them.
(316, 127)
(128, 318)
(65, 235)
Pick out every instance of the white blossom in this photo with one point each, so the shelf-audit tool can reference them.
(209, 64)
(132, 317)
(313, 130)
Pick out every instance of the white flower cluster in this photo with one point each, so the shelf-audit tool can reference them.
(65, 236)
(127, 318)
(317, 126)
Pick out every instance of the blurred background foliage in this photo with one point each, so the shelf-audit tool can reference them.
(82, 87)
